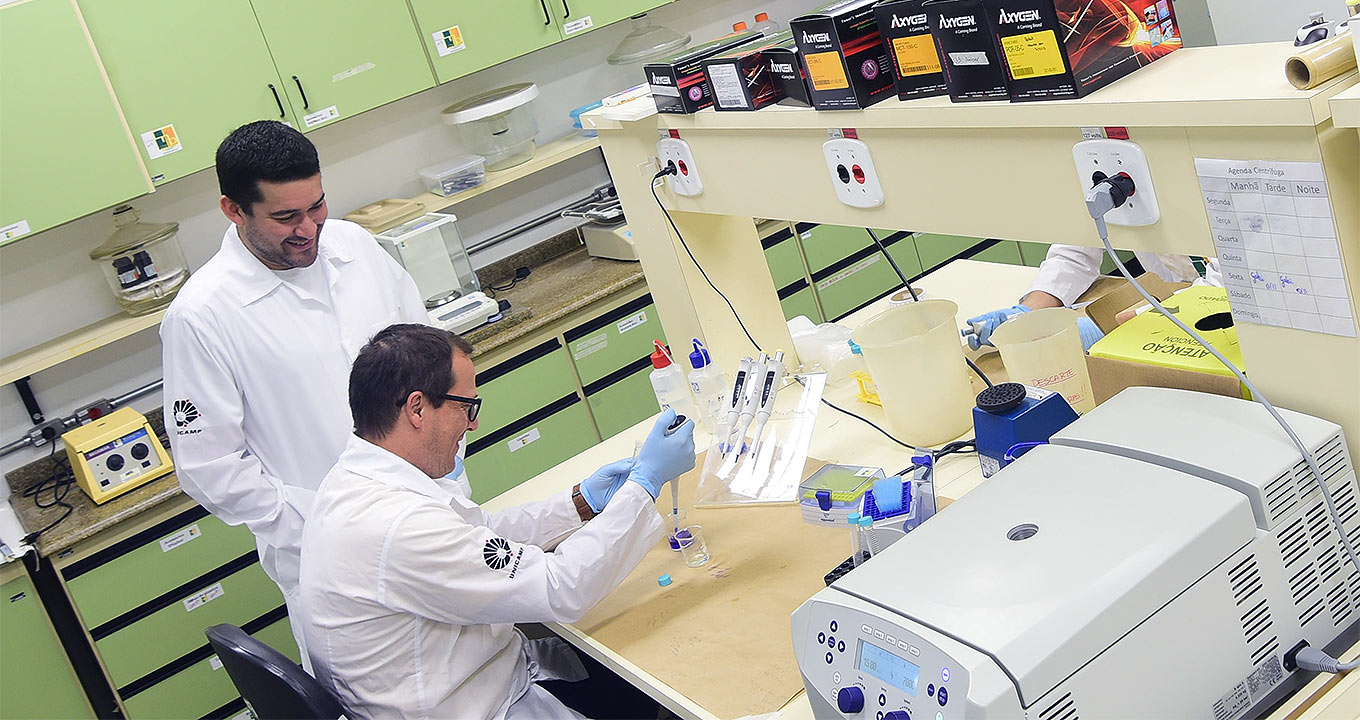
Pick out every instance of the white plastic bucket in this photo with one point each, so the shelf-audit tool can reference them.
(1043, 349)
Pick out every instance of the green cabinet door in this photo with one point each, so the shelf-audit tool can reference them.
(825, 245)
(579, 16)
(338, 59)
(903, 252)
(625, 402)
(64, 151)
(1033, 253)
(617, 338)
(499, 462)
(36, 679)
(797, 299)
(786, 264)
(1006, 252)
(517, 387)
(463, 37)
(861, 281)
(185, 77)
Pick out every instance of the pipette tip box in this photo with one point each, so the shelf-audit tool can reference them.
(835, 491)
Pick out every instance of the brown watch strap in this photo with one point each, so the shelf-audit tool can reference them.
(582, 507)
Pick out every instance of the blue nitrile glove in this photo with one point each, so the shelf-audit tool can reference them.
(1090, 332)
(981, 327)
(664, 457)
(601, 486)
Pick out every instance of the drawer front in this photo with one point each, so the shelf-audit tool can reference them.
(163, 563)
(786, 265)
(1033, 253)
(825, 245)
(623, 403)
(522, 385)
(862, 281)
(615, 339)
(36, 679)
(1006, 252)
(500, 463)
(204, 686)
(173, 630)
(935, 249)
(800, 302)
(903, 252)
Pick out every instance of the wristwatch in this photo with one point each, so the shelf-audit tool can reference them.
(583, 508)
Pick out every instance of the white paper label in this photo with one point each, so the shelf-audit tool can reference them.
(866, 472)
(990, 466)
(590, 345)
(320, 116)
(1277, 244)
(862, 264)
(199, 599)
(667, 91)
(352, 72)
(161, 142)
(19, 229)
(215, 663)
(1035, 393)
(834, 134)
(968, 58)
(576, 26)
(727, 86)
(449, 41)
(629, 323)
(1092, 133)
(184, 535)
(522, 440)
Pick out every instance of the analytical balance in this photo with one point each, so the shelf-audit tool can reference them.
(1161, 558)
(431, 250)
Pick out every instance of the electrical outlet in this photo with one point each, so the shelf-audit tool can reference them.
(675, 152)
(1097, 159)
(852, 172)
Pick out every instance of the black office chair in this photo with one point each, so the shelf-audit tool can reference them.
(273, 686)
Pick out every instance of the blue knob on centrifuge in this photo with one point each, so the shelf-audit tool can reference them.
(850, 699)
(897, 715)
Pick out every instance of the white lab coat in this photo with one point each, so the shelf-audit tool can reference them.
(1069, 270)
(257, 376)
(411, 589)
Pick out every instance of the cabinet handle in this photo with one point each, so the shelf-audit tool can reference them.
(304, 92)
(566, 10)
(547, 18)
(277, 100)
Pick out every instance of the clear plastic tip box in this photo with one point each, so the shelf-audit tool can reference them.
(835, 491)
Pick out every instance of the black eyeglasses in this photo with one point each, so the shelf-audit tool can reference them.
(474, 405)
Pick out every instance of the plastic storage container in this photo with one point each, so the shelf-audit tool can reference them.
(498, 125)
(454, 176)
(646, 42)
(142, 262)
(576, 114)
(1043, 348)
(916, 360)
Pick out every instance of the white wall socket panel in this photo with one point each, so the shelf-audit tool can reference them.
(685, 181)
(852, 172)
(1113, 157)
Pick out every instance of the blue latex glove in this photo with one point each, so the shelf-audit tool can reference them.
(664, 457)
(1090, 332)
(601, 486)
(981, 327)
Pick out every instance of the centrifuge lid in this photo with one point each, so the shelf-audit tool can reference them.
(646, 42)
(496, 102)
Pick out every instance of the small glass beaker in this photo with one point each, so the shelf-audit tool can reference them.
(692, 545)
(674, 525)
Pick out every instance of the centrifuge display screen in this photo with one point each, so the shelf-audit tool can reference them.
(888, 667)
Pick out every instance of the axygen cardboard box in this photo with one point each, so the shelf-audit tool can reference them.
(1054, 49)
(678, 82)
(968, 54)
(847, 63)
(916, 64)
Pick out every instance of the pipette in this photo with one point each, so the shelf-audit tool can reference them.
(753, 395)
(769, 388)
(734, 404)
(675, 484)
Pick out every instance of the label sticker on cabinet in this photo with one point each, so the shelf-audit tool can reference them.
(848, 272)
(352, 72)
(576, 26)
(184, 535)
(161, 142)
(199, 599)
(449, 41)
(19, 229)
(522, 440)
(629, 323)
(590, 345)
(215, 663)
(320, 116)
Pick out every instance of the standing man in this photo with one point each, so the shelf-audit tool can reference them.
(258, 344)
(412, 590)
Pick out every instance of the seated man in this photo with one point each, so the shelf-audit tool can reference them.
(410, 591)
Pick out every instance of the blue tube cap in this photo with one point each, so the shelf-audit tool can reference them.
(664, 580)
(853, 518)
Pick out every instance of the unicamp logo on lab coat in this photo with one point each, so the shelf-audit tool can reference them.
(497, 555)
(185, 414)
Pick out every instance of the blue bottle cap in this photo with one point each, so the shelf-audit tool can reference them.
(866, 521)
(853, 518)
(854, 348)
(664, 580)
(699, 358)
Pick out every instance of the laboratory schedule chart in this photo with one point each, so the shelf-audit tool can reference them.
(1277, 244)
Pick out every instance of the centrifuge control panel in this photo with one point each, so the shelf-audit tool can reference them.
(867, 667)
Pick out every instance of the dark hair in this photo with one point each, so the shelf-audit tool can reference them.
(398, 361)
(263, 150)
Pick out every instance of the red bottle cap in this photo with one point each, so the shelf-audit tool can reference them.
(659, 357)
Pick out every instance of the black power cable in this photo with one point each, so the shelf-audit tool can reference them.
(58, 482)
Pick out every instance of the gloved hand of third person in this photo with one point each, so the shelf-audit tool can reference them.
(985, 324)
(1090, 332)
(603, 483)
(664, 457)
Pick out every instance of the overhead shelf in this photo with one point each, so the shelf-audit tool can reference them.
(1225, 86)
(545, 157)
(1346, 108)
(74, 344)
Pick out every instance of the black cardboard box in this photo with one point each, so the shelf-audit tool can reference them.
(968, 54)
(1054, 49)
(741, 79)
(916, 63)
(786, 65)
(678, 83)
(846, 60)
